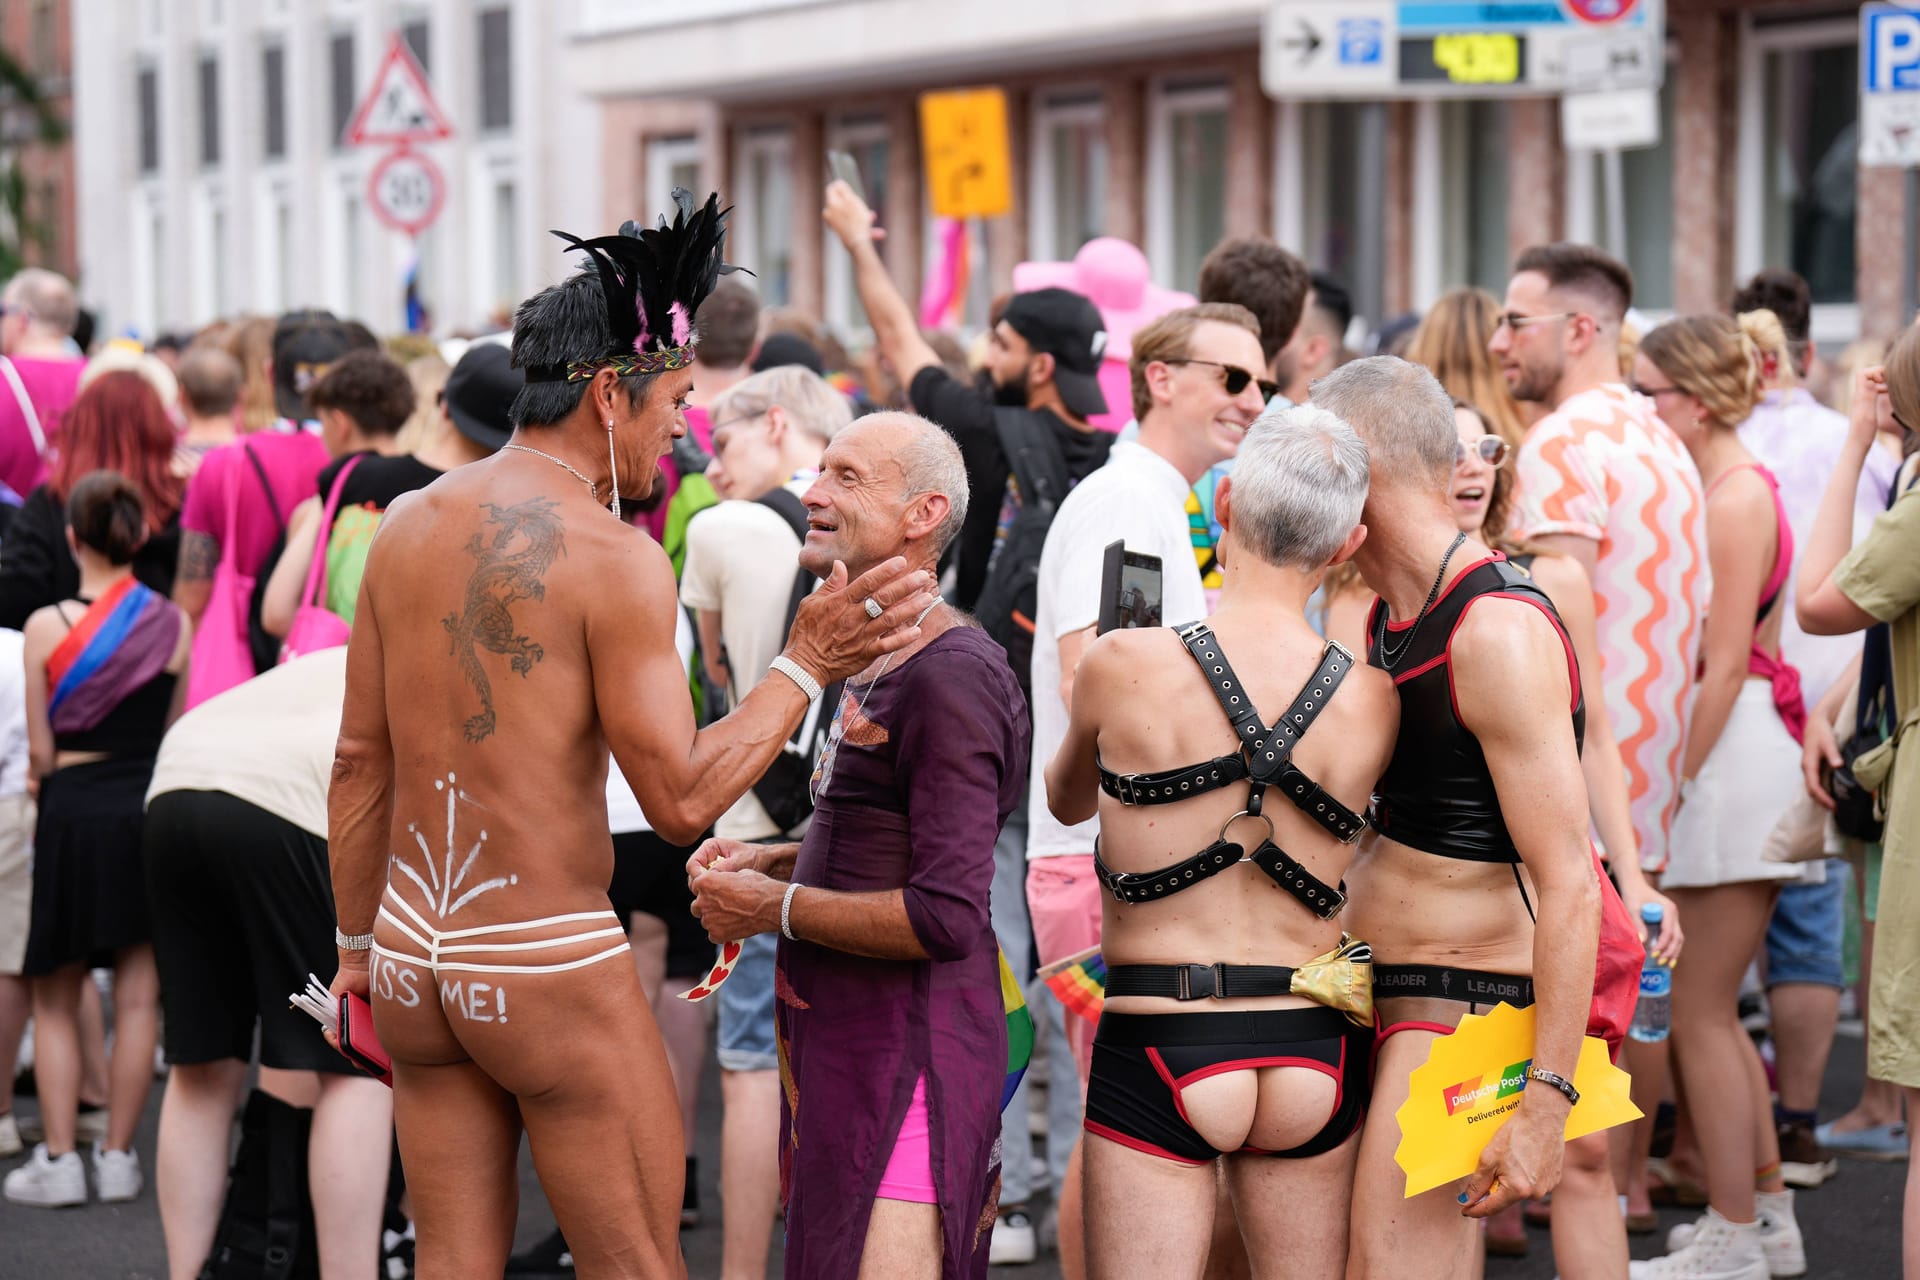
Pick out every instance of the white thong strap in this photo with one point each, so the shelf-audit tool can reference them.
(436, 943)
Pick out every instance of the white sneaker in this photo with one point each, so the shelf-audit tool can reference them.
(1780, 1240)
(1014, 1240)
(1715, 1250)
(48, 1183)
(116, 1174)
(10, 1144)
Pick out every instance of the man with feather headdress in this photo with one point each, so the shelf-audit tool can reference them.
(510, 633)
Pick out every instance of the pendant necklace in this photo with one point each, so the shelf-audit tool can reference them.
(1390, 658)
(593, 490)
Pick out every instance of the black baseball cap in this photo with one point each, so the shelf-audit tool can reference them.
(1066, 326)
(480, 391)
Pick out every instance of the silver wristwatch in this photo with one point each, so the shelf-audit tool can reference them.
(352, 941)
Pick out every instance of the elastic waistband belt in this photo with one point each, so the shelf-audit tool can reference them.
(1443, 982)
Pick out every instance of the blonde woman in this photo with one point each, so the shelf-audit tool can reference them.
(1737, 773)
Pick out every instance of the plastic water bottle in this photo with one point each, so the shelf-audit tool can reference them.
(1651, 1017)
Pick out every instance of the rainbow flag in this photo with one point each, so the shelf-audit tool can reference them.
(1080, 981)
(1019, 1031)
(124, 639)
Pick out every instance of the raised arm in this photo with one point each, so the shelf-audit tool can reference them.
(1515, 693)
(1822, 608)
(895, 330)
(1073, 775)
(684, 778)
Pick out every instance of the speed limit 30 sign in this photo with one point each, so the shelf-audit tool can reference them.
(406, 191)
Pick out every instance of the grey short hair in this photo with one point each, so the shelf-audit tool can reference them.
(48, 296)
(1400, 410)
(931, 463)
(1298, 486)
(812, 402)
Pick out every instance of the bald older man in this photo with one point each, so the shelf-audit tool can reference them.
(41, 369)
(892, 1034)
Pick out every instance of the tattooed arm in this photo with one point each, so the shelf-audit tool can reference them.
(193, 579)
(684, 778)
(360, 799)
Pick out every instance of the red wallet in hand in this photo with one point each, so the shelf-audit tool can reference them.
(360, 1043)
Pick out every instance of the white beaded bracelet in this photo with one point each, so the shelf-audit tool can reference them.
(798, 674)
(786, 914)
(352, 941)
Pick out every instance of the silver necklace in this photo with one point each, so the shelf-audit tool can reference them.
(593, 490)
(826, 768)
(1390, 658)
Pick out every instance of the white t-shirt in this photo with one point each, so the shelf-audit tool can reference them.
(624, 814)
(269, 741)
(741, 560)
(13, 715)
(1138, 498)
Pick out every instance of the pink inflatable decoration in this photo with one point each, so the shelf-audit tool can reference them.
(1113, 274)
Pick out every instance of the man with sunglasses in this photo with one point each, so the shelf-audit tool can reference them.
(1603, 480)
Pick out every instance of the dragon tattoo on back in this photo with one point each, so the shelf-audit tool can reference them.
(505, 574)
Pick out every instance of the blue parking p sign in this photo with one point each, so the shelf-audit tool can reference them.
(1890, 49)
(1890, 84)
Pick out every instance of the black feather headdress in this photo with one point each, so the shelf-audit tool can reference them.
(654, 279)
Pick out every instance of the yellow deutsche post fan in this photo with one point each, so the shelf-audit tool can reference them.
(1470, 1085)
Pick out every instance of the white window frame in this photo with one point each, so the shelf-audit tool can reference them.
(775, 143)
(210, 218)
(1831, 322)
(1289, 177)
(1169, 101)
(663, 156)
(1073, 105)
(837, 288)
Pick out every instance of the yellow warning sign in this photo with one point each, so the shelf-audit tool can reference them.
(963, 133)
(1471, 1084)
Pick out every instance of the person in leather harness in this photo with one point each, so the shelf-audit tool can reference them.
(1483, 797)
(1276, 1063)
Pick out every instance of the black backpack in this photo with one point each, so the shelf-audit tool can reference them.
(785, 790)
(1009, 600)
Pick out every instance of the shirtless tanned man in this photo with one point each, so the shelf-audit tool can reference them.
(1222, 843)
(509, 633)
(1480, 821)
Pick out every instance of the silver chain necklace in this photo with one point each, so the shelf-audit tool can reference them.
(593, 490)
(826, 768)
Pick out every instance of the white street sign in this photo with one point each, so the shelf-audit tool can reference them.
(1310, 47)
(1890, 85)
(1619, 120)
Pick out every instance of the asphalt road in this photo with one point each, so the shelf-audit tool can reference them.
(1852, 1225)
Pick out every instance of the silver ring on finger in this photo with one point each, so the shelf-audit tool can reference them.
(873, 608)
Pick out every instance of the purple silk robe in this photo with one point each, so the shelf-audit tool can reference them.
(919, 779)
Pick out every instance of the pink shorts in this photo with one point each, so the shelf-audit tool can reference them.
(1063, 900)
(909, 1173)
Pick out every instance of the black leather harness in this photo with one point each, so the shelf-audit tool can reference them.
(1264, 760)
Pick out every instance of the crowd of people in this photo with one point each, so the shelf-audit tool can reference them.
(327, 658)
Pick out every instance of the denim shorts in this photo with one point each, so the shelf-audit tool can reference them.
(746, 1009)
(1804, 937)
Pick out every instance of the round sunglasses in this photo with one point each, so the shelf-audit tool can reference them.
(1492, 450)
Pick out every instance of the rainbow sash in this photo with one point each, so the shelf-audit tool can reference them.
(1019, 1031)
(125, 639)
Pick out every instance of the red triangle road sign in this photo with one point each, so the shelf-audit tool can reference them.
(400, 106)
